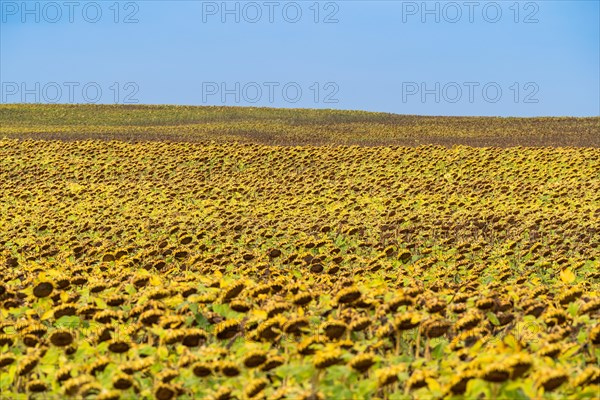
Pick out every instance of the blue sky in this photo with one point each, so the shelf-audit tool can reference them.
(504, 58)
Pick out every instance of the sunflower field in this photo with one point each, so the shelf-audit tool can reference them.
(238, 269)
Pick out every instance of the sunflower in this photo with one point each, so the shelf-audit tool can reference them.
(269, 329)
(98, 366)
(551, 350)
(348, 295)
(151, 317)
(362, 362)
(484, 303)
(167, 375)
(63, 373)
(61, 338)
(173, 336)
(255, 359)
(302, 299)
(519, 363)
(241, 306)
(551, 379)
(589, 376)
(387, 376)
(436, 328)
(272, 363)
(360, 324)
(164, 391)
(30, 340)
(37, 386)
(254, 387)
(227, 329)
(6, 340)
(234, 290)
(326, 358)
(6, 360)
(570, 295)
(555, 317)
(73, 386)
(469, 321)
(43, 289)
(276, 308)
(193, 337)
(418, 379)
(305, 347)
(118, 346)
(223, 393)
(458, 383)
(407, 321)
(496, 373)
(122, 382)
(595, 335)
(106, 316)
(65, 309)
(229, 368)
(334, 329)
(201, 369)
(295, 325)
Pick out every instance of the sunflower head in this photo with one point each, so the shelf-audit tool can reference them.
(407, 321)
(387, 376)
(519, 364)
(227, 329)
(589, 376)
(348, 295)
(362, 362)
(551, 379)
(201, 369)
(326, 358)
(334, 329)
(595, 335)
(119, 346)
(122, 381)
(229, 368)
(418, 379)
(255, 386)
(255, 358)
(61, 338)
(37, 386)
(496, 373)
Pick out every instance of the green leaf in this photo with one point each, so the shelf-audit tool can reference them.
(68, 322)
(493, 319)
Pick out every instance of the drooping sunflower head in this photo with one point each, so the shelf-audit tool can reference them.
(362, 362)
(407, 321)
(255, 386)
(119, 346)
(589, 376)
(519, 363)
(496, 373)
(387, 376)
(334, 329)
(348, 295)
(227, 329)
(458, 384)
(122, 381)
(61, 338)
(37, 386)
(595, 335)
(418, 379)
(229, 368)
(550, 379)
(255, 358)
(326, 358)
